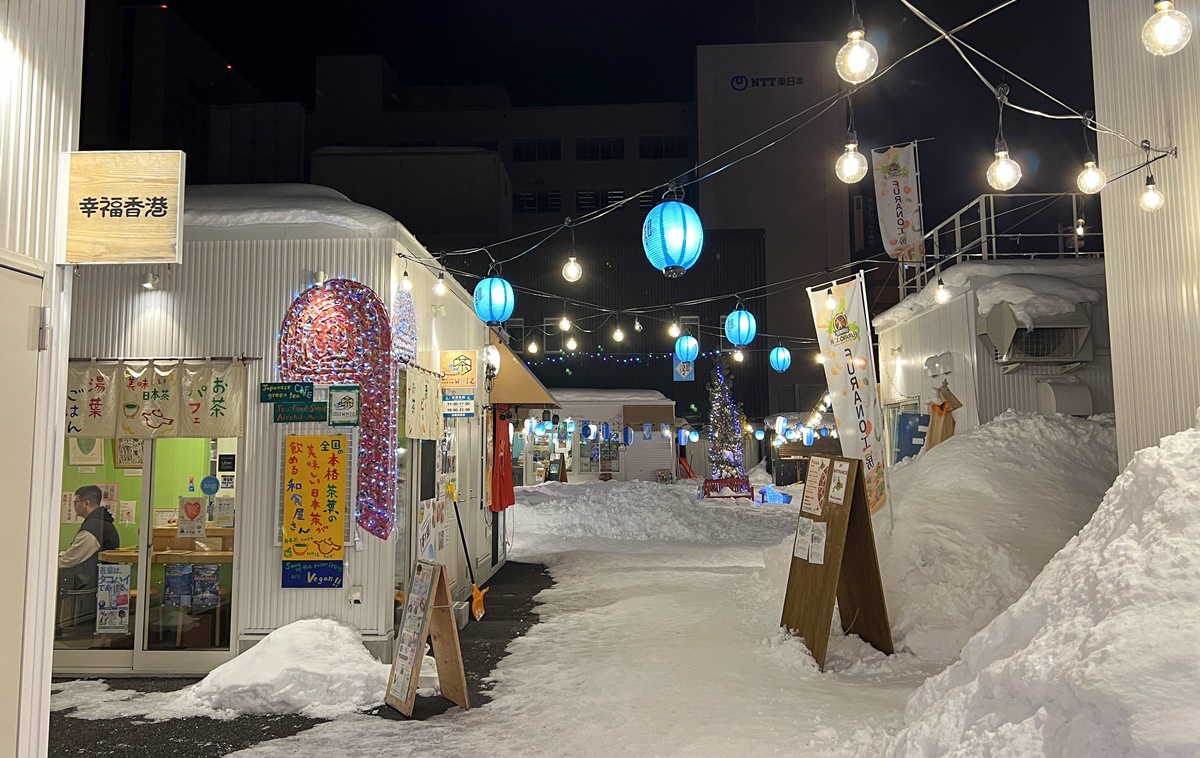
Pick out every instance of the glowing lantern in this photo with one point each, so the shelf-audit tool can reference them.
(687, 348)
(672, 237)
(740, 327)
(494, 300)
(781, 358)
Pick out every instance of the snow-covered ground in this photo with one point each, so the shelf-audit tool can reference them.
(660, 635)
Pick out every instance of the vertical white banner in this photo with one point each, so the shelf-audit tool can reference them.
(897, 196)
(844, 334)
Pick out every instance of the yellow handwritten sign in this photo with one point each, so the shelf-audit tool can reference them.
(314, 497)
(125, 206)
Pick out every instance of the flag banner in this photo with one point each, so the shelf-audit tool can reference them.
(92, 390)
(898, 199)
(844, 335)
(214, 399)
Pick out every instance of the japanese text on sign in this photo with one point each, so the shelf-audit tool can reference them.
(314, 497)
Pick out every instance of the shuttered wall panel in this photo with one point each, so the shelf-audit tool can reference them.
(41, 53)
(228, 298)
(644, 459)
(1152, 259)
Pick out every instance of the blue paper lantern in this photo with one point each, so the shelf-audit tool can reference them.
(759, 434)
(781, 358)
(539, 429)
(585, 431)
(672, 237)
(808, 435)
(740, 327)
(694, 436)
(494, 300)
(683, 437)
(628, 436)
(687, 348)
(824, 431)
(606, 432)
(791, 434)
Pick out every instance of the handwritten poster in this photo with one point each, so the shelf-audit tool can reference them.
(149, 401)
(193, 512)
(423, 413)
(112, 598)
(815, 485)
(91, 407)
(214, 400)
(314, 510)
(804, 529)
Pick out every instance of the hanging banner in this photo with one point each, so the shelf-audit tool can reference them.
(314, 510)
(92, 400)
(214, 400)
(844, 334)
(149, 401)
(897, 196)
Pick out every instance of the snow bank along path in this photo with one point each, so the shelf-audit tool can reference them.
(1099, 657)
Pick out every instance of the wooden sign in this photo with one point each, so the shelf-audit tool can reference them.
(124, 206)
(427, 614)
(833, 558)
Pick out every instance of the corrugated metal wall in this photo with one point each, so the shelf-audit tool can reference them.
(1153, 260)
(41, 53)
(227, 298)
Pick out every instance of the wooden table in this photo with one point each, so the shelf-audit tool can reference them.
(193, 556)
(120, 555)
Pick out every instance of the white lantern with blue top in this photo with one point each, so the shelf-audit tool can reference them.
(740, 327)
(494, 300)
(672, 237)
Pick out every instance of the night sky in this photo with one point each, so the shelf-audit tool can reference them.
(565, 53)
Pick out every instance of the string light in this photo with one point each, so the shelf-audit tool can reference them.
(1151, 199)
(618, 335)
(405, 282)
(858, 59)
(830, 301)
(821, 358)
(1080, 229)
(571, 343)
(637, 325)
(674, 329)
(564, 324)
(1004, 173)
(532, 348)
(739, 356)
(439, 287)
(851, 166)
(572, 271)
(1167, 31)
(942, 295)
(1091, 180)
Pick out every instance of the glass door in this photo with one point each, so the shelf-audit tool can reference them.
(188, 550)
(101, 515)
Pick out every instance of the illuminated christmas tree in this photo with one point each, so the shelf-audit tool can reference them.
(725, 426)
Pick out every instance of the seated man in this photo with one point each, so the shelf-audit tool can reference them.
(77, 565)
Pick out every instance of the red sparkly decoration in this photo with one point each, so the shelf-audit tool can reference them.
(338, 332)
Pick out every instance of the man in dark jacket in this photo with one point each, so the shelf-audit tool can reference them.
(77, 565)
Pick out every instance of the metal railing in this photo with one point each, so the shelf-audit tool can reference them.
(1005, 226)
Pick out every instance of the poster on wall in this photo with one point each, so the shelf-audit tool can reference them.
(127, 453)
(206, 585)
(128, 512)
(68, 508)
(191, 519)
(177, 584)
(426, 521)
(314, 510)
(112, 598)
(149, 401)
(214, 400)
(223, 509)
(844, 335)
(91, 407)
(85, 451)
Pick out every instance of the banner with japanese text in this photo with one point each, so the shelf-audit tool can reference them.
(92, 400)
(897, 196)
(149, 400)
(844, 335)
(214, 400)
(314, 510)
(423, 411)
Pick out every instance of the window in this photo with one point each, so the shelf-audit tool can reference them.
(691, 325)
(599, 148)
(529, 150)
(669, 146)
(537, 201)
(552, 335)
(483, 142)
(587, 200)
(516, 334)
(648, 198)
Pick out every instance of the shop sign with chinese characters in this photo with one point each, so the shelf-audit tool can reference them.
(459, 379)
(124, 206)
(91, 409)
(314, 510)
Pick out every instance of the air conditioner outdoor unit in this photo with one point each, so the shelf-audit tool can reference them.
(1066, 338)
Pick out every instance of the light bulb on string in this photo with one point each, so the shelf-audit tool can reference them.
(851, 166)
(1167, 31)
(821, 358)
(572, 271)
(618, 335)
(674, 329)
(572, 344)
(405, 281)
(564, 324)
(1091, 180)
(1004, 173)
(532, 348)
(942, 295)
(637, 325)
(739, 356)
(830, 301)
(439, 287)
(858, 59)
(1080, 228)
(1151, 199)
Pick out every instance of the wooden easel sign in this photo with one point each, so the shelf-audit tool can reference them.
(427, 613)
(833, 558)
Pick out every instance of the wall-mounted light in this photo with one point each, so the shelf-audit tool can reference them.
(319, 279)
(150, 281)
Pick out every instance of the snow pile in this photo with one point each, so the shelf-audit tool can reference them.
(758, 475)
(316, 667)
(1033, 296)
(646, 511)
(228, 205)
(978, 516)
(1085, 277)
(1099, 657)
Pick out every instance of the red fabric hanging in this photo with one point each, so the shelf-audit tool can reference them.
(503, 495)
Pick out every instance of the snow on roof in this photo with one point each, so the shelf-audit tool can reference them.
(1034, 288)
(630, 397)
(231, 205)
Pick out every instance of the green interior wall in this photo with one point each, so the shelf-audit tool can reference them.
(128, 488)
(175, 461)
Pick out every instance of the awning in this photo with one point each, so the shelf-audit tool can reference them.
(515, 384)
